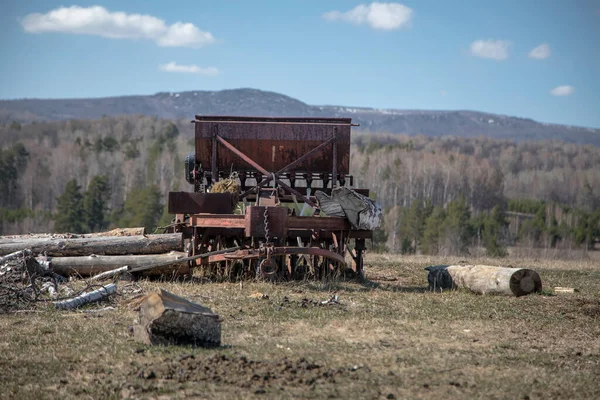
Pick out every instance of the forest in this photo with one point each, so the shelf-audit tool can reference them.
(441, 196)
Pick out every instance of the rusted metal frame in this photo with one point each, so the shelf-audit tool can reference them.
(264, 171)
(275, 120)
(359, 245)
(335, 241)
(334, 171)
(218, 220)
(318, 223)
(289, 166)
(234, 224)
(278, 251)
(215, 173)
(326, 234)
(236, 221)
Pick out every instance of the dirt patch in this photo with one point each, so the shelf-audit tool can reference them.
(241, 372)
(589, 307)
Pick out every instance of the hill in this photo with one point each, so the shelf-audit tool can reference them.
(244, 102)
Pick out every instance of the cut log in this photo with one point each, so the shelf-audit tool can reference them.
(109, 274)
(85, 298)
(161, 265)
(16, 254)
(91, 265)
(167, 319)
(487, 279)
(119, 232)
(49, 236)
(112, 245)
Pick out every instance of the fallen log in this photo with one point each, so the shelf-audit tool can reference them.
(48, 236)
(109, 274)
(85, 298)
(119, 232)
(487, 279)
(112, 245)
(16, 254)
(160, 265)
(94, 264)
(167, 319)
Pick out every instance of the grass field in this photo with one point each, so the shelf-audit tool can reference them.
(387, 338)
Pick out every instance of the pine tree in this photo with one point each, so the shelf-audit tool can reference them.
(431, 235)
(456, 228)
(95, 203)
(69, 216)
(415, 224)
(494, 228)
(143, 207)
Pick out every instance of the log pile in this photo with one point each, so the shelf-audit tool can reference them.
(91, 254)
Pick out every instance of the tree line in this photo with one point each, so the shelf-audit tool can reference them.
(80, 211)
(427, 186)
(454, 229)
(441, 195)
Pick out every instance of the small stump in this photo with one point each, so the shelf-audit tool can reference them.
(167, 319)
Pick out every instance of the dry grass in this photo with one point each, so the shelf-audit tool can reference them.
(388, 338)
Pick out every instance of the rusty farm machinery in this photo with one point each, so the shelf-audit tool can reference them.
(271, 197)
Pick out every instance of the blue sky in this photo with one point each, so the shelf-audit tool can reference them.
(468, 54)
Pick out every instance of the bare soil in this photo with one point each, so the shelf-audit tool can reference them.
(387, 337)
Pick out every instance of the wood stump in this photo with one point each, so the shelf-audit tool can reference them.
(167, 319)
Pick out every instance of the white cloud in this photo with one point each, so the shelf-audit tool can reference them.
(492, 49)
(384, 16)
(98, 21)
(564, 90)
(541, 52)
(189, 69)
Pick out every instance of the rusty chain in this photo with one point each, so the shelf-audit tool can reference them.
(266, 222)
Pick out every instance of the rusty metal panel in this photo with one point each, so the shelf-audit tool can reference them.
(255, 221)
(274, 143)
(217, 221)
(319, 223)
(197, 203)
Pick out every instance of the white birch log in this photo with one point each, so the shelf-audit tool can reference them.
(487, 279)
(16, 254)
(109, 274)
(86, 297)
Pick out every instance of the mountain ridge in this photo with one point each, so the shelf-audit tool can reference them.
(252, 102)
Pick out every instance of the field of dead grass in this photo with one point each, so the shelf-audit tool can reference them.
(387, 338)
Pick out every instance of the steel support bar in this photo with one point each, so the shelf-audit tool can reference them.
(215, 175)
(291, 165)
(264, 171)
(184, 260)
(218, 220)
(277, 251)
(334, 170)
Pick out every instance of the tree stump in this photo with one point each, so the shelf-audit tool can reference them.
(167, 319)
